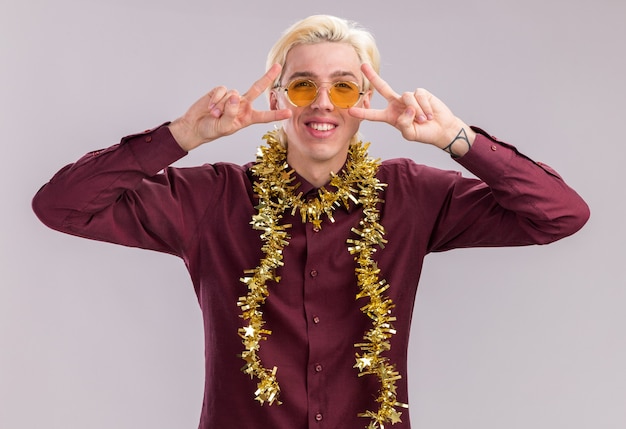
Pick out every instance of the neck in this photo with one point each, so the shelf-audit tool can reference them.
(317, 173)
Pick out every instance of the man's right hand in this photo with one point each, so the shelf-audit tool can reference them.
(222, 112)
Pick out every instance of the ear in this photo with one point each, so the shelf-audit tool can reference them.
(367, 98)
(273, 101)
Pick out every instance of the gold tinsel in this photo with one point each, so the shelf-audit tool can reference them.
(277, 194)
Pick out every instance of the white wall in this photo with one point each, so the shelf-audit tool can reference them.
(98, 336)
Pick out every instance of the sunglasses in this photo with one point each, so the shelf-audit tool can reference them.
(303, 92)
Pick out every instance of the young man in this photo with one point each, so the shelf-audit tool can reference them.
(278, 250)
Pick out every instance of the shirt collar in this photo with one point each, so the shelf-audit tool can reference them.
(310, 191)
(307, 189)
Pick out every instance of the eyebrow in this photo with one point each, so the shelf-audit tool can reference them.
(311, 75)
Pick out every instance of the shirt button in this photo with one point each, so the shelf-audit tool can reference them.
(319, 417)
(316, 320)
(148, 139)
(316, 229)
(318, 367)
(494, 147)
(313, 273)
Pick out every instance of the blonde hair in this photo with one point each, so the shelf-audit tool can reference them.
(324, 28)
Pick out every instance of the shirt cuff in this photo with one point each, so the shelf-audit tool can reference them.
(154, 149)
(491, 158)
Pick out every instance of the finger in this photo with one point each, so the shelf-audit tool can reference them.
(220, 106)
(231, 106)
(263, 83)
(378, 83)
(215, 96)
(424, 98)
(368, 114)
(414, 110)
(265, 116)
(407, 119)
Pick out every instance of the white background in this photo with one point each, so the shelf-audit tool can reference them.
(99, 336)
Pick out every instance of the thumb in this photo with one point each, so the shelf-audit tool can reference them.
(406, 118)
(231, 108)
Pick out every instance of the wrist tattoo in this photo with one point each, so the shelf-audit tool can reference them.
(462, 135)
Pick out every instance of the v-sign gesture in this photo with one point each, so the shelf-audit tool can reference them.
(419, 115)
(222, 112)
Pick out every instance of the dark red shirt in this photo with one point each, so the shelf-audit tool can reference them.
(203, 214)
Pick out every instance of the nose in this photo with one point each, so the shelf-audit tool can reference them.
(322, 101)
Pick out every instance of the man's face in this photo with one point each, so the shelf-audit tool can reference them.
(320, 132)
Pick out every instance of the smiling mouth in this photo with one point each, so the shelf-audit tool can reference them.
(322, 126)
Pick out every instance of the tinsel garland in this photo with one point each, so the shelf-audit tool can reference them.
(277, 193)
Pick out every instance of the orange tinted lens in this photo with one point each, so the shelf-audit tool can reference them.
(344, 94)
(302, 92)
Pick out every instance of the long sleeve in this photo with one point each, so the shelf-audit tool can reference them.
(116, 195)
(517, 201)
(203, 215)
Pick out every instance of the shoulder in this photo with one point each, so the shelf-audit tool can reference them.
(213, 171)
(217, 178)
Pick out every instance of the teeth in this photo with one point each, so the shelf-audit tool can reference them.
(322, 126)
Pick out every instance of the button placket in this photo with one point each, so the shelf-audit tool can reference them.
(316, 260)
